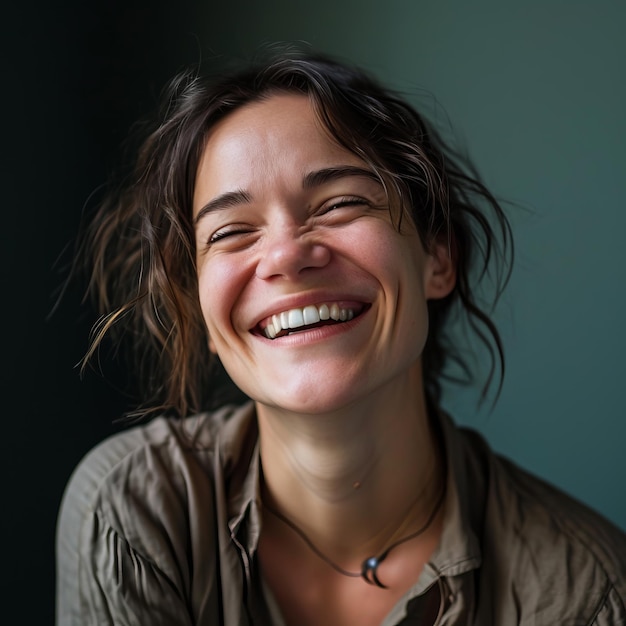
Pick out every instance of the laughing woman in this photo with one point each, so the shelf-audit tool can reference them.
(305, 228)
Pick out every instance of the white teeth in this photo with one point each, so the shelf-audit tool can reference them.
(296, 318)
(311, 315)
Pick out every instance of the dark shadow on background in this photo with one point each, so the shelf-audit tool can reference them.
(78, 75)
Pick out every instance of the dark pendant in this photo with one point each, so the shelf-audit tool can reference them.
(369, 573)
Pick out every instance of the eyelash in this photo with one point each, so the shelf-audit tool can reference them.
(347, 201)
(227, 232)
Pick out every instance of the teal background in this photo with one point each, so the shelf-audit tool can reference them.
(535, 91)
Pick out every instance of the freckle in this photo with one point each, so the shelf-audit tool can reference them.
(356, 484)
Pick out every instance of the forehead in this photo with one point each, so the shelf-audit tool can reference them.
(264, 117)
(265, 142)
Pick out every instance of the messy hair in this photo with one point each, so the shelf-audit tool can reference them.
(140, 246)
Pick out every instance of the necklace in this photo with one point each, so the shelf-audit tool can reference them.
(370, 565)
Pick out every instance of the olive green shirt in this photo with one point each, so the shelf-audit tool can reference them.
(159, 526)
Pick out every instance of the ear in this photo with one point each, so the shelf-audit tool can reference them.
(440, 270)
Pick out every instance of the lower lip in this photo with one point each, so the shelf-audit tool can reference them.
(315, 335)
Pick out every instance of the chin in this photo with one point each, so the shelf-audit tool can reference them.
(309, 399)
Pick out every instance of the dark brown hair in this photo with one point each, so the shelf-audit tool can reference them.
(141, 246)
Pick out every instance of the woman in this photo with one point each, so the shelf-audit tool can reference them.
(306, 228)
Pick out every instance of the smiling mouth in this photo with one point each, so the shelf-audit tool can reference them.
(307, 318)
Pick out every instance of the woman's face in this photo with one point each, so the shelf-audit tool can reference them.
(311, 297)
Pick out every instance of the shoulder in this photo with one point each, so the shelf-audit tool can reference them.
(561, 559)
(148, 451)
(145, 506)
(165, 459)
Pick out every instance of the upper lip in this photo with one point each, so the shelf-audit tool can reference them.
(310, 298)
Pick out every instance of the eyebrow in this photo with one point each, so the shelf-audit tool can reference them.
(310, 181)
(223, 201)
(329, 174)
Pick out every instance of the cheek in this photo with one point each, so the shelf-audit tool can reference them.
(219, 287)
(402, 267)
(206, 306)
(395, 258)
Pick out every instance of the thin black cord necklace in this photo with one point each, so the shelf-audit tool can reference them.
(370, 565)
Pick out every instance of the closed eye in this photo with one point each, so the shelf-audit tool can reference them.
(348, 201)
(229, 231)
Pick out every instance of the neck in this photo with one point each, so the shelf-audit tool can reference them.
(356, 479)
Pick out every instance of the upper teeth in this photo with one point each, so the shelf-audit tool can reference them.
(296, 318)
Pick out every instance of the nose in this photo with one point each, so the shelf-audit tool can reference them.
(288, 252)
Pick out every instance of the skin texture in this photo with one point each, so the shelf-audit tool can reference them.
(340, 404)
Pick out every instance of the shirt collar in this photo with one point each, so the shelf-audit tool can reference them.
(238, 446)
(459, 548)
